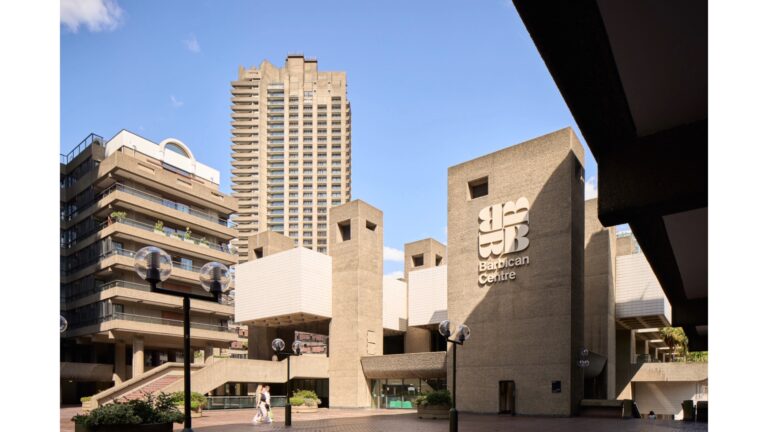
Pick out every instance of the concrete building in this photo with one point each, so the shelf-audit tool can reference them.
(528, 267)
(291, 151)
(118, 196)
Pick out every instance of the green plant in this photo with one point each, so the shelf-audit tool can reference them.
(204, 241)
(305, 397)
(697, 357)
(118, 215)
(676, 339)
(159, 225)
(434, 398)
(188, 234)
(149, 410)
(85, 399)
(197, 400)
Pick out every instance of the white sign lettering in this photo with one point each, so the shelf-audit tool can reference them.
(503, 229)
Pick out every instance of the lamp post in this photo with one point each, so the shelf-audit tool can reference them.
(278, 345)
(583, 361)
(462, 334)
(154, 265)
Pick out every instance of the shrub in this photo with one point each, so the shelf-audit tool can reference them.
(85, 399)
(197, 400)
(159, 225)
(435, 398)
(188, 234)
(118, 215)
(151, 409)
(305, 397)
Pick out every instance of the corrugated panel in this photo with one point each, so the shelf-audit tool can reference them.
(428, 296)
(638, 292)
(294, 281)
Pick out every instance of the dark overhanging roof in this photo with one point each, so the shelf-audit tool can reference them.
(634, 76)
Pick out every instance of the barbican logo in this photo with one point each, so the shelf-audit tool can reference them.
(503, 228)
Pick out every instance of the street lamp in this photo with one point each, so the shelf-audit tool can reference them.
(462, 334)
(154, 265)
(278, 345)
(583, 358)
(63, 324)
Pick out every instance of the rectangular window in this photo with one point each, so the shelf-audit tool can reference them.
(418, 260)
(478, 188)
(345, 230)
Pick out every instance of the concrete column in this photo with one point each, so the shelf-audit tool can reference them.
(356, 245)
(208, 352)
(119, 375)
(138, 356)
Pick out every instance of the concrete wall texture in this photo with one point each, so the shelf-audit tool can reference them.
(357, 248)
(528, 329)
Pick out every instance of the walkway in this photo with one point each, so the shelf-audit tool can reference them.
(348, 420)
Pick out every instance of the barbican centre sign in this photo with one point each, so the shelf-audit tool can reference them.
(503, 230)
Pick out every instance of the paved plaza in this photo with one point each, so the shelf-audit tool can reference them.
(365, 420)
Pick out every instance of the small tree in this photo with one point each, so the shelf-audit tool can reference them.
(676, 340)
(118, 216)
(159, 225)
(187, 234)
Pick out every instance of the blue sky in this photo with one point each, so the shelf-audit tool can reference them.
(440, 82)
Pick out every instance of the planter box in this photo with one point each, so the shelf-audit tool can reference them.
(158, 427)
(303, 409)
(433, 412)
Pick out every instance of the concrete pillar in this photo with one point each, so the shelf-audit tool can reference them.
(208, 352)
(119, 375)
(429, 253)
(138, 356)
(260, 342)
(356, 245)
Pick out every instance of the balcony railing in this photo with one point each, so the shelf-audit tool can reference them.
(84, 144)
(154, 320)
(165, 202)
(177, 235)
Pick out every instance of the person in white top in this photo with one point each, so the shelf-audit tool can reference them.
(258, 417)
(266, 413)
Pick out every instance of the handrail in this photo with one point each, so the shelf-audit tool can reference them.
(85, 143)
(152, 320)
(165, 202)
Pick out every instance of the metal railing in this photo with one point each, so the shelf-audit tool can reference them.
(165, 202)
(179, 236)
(106, 286)
(84, 144)
(151, 320)
(164, 321)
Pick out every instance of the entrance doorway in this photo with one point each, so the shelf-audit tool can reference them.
(507, 397)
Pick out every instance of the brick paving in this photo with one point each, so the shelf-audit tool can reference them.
(368, 420)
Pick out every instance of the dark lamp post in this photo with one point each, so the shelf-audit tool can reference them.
(462, 334)
(278, 345)
(154, 265)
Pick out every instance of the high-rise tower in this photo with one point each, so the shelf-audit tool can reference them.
(292, 150)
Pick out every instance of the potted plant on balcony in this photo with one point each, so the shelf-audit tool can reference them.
(188, 235)
(117, 216)
(150, 414)
(159, 227)
(434, 405)
(304, 401)
(197, 402)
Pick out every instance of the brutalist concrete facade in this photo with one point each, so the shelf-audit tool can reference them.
(356, 330)
(527, 317)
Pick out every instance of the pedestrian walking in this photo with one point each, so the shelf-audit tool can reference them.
(258, 417)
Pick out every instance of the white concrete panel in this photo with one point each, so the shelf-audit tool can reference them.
(294, 281)
(395, 304)
(157, 151)
(638, 292)
(428, 296)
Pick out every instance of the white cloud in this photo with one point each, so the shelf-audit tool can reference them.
(395, 274)
(96, 15)
(590, 188)
(191, 44)
(392, 254)
(176, 103)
